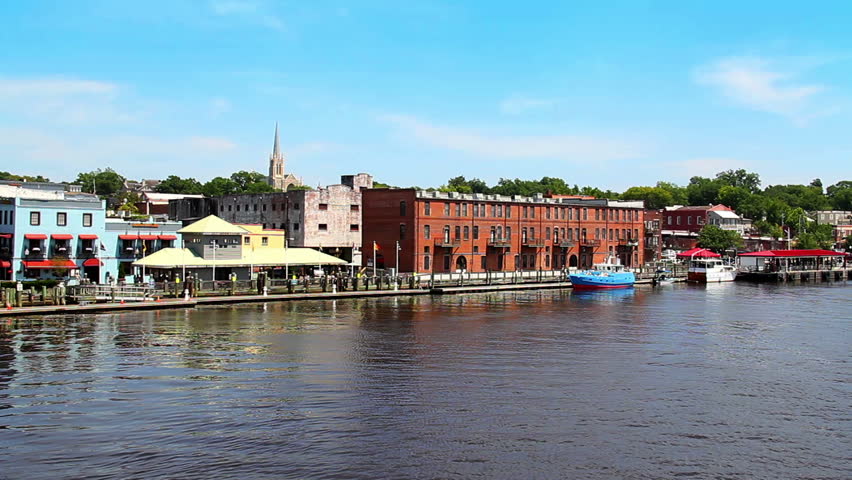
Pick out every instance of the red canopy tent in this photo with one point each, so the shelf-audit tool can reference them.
(698, 252)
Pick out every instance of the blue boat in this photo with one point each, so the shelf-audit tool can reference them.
(603, 275)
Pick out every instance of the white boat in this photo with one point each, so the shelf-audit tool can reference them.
(710, 270)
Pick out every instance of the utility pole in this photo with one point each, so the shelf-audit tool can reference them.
(374, 258)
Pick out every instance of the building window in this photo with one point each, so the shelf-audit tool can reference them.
(547, 261)
(354, 208)
(446, 262)
(427, 208)
(295, 206)
(262, 208)
(246, 240)
(264, 241)
(526, 211)
(508, 211)
(426, 250)
(458, 233)
(499, 210)
(466, 233)
(475, 232)
(238, 208)
(402, 208)
(532, 212)
(296, 227)
(426, 262)
(87, 219)
(597, 214)
(547, 233)
(585, 214)
(508, 233)
(547, 212)
(273, 207)
(323, 206)
(689, 220)
(221, 208)
(402, 231)
(323, 227)
(678, 220)
(458, 209)
(447, 209)
(464, 210)
(354, 227)
(483, 262)
(475, 249)
(229, 208)
(61, 219)
(35, 218)
(427, 232)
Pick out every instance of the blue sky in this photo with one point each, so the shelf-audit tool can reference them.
(610, 94)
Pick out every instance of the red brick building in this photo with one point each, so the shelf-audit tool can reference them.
(447, 232)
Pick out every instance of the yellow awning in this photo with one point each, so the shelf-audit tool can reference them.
(178, 257)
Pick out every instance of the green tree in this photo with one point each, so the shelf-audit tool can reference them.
(678, 193)
(840, 195)
(175, 184)
(22, 178)
(714, 238)
(244, 178)
(734, 197)
(768, 229)
(816, 236)
(259, 187)
(218, 187)
(739, 178)
(654, 197)
(105, 182)
(702, 191)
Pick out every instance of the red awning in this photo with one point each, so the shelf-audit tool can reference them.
(148, 238)
(93, 262)
(168, 237)
(5, 264)
(5, 235)
(61, 236)
(698, 252)
(50, 264)
(35, 236)
(88, 236)
(794, 253)
(128, 237)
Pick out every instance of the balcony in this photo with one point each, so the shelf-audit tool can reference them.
(499, 242)
(563, 243)
(588, 242)
(533, 242)
(448, 242)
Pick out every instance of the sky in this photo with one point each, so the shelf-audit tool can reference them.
(610, 94)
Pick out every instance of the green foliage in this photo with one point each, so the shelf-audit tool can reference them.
(840, 195)
(740, 179)
(381, 185)
(293, 188)
(105, 183)
(219, 186)
(29, 284)
(678, 193)
(175, 184)
(769, 229)
(127, 202)
(702, 191)
(802, 196)
(22, 178)
(714, 238)
(816, 236)
(654, 197)
(734, 197)
(245, 179)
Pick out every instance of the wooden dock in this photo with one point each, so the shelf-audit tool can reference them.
(804, 276)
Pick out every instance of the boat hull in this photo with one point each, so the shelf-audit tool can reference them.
(598, 282)
(711, 276)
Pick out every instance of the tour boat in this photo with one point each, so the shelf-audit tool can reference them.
(710, 270)
(603, 275)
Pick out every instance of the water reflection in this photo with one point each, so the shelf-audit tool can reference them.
(719, 380)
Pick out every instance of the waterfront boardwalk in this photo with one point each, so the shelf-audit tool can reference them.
(164, 303)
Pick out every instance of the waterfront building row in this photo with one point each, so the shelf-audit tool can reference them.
(436, 232)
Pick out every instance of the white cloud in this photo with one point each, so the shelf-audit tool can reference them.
(562, 147)
(518, 104)
(761, 84)
(63, 100)
(252, 11)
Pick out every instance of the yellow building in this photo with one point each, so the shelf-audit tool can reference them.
(214, 248)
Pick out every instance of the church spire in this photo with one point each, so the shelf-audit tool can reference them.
(276, 152)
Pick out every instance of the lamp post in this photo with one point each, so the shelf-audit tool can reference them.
(214, 246)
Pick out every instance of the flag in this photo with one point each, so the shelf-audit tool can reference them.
(376, 246)
(103, 247)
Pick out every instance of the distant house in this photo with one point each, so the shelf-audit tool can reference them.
(153, 203)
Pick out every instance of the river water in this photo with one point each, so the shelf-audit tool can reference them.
(730, 381)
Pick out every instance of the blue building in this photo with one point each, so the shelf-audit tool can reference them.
(49, 230)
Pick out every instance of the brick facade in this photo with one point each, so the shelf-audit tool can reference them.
(446, 232)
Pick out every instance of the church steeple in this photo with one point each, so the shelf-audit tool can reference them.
(276, 151)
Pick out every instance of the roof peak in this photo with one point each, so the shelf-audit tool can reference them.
(276, 150)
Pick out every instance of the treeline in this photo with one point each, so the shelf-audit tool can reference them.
(775, 210)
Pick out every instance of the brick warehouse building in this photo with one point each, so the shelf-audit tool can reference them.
(447, 232)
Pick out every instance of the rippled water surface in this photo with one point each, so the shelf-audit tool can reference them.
(728, 381)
